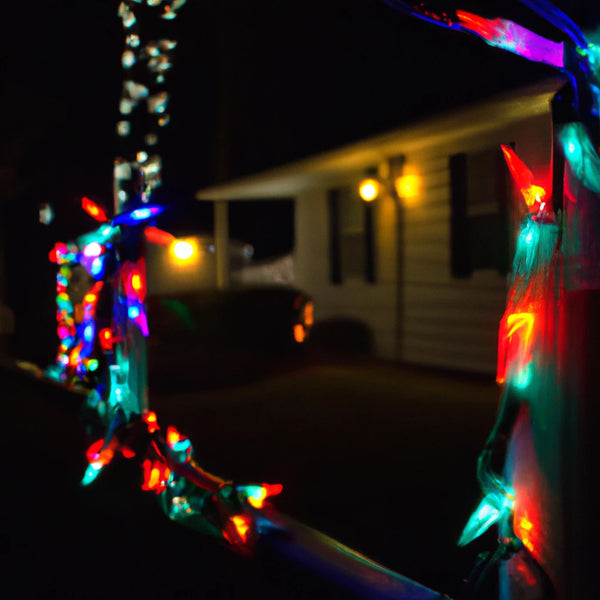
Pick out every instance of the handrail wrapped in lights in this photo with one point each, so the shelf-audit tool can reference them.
(556, 260)
(102, 323)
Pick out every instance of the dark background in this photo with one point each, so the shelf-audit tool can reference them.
(255, 85)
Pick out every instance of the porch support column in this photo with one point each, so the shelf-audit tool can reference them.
(221, 233)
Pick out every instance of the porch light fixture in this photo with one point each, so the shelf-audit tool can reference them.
(389, 177)
(407, 186)
(369, 189)
(183, 252)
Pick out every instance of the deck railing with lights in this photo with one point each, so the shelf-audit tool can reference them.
(102, 328)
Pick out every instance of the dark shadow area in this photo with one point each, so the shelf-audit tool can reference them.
(214, 338)
(379, 456)
(341, 336)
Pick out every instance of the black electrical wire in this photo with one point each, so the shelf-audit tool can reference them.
(485, 565)
(478, 584)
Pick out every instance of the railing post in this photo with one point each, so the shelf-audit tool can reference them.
(221, 234)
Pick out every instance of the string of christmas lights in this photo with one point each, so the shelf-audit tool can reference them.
(101, 287)
(102, 321)
(553, 249)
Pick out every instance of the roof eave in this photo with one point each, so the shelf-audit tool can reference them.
(323, 169)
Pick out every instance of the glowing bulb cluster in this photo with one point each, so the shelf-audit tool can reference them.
(256, 495)
(156, 476)
(134, 286)
(94, 210)
(179, 444)
(494, 506)
(510, 36)
(75, 330)
(534, 195)
(76, 322)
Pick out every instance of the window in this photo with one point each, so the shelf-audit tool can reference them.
(351, 236)
(479, 231)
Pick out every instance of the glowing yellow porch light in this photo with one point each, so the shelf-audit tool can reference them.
(369, 189)
(408, 187)
(183, 252)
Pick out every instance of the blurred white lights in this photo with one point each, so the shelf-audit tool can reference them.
(46, 213)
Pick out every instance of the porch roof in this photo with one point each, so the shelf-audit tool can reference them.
(323, 169)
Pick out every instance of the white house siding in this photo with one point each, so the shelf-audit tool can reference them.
(450, 322)
(417, 311)
(375, 305)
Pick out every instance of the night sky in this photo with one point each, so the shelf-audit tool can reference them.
(255, 84)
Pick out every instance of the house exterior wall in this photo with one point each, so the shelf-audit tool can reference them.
(373, 304)
(416, 310)
(166, 276)
(447, 321)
